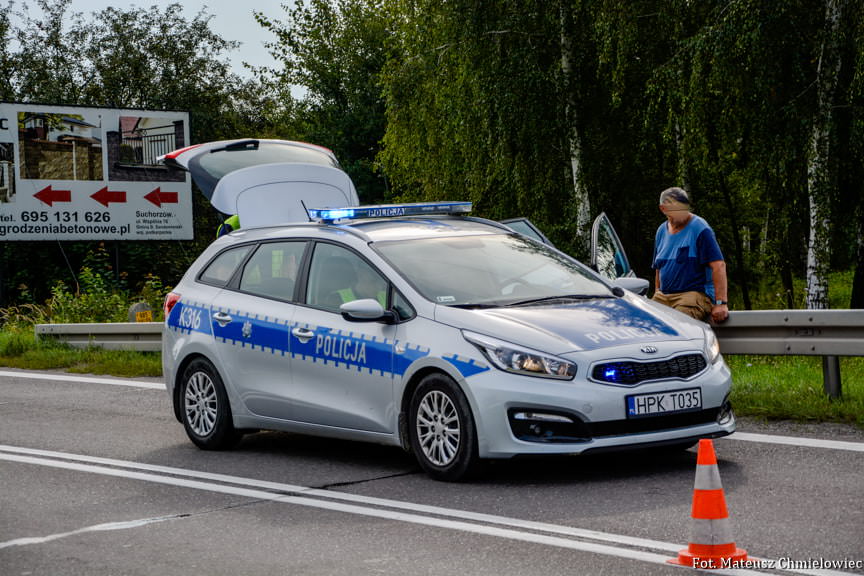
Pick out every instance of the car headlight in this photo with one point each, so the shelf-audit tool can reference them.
(518, 360)
(712, 346)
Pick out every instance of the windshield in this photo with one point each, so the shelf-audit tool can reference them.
(493, 270)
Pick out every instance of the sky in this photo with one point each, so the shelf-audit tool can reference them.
(232, 19)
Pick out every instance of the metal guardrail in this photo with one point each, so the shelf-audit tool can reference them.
(826, 333)
(142, 336)
(793, 332)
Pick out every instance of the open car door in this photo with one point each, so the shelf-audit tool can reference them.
(266, 182)
(609, 258)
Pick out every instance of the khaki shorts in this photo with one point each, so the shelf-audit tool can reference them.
(695, 304)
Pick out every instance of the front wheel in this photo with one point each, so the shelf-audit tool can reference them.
(442, 431)
(206, 413)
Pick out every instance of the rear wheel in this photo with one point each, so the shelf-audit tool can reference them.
(442, 431)
(206, 413)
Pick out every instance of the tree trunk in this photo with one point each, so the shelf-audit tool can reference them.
(788, 284)
(570, 75)
(819, 173)
(741, 273)
(857, 300)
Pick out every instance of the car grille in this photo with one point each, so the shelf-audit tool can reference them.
(579, 431)
(656, 424)
(631, 372)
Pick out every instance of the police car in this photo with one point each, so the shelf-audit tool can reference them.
(420, 326)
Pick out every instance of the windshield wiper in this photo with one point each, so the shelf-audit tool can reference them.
(474, 306)
(559, 297)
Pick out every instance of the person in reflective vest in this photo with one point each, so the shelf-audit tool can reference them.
(230, 224)
(367, 285)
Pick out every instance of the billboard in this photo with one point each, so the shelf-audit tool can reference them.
(75, 173)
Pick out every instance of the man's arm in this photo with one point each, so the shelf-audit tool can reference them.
(719, 313)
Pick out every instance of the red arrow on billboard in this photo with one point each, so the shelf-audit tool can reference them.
(158, 197)
(105, 196)
(49, 195)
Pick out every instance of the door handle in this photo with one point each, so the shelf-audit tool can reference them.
(303, 334)
(222, 318)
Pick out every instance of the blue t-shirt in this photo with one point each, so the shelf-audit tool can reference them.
(683, 258)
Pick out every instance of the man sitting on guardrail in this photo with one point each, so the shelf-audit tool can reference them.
(690, 273)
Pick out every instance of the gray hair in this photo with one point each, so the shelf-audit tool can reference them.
(675, 195)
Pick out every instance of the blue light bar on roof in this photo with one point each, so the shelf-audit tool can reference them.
(388, 211)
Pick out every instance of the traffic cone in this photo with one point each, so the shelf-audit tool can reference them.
(711, 544)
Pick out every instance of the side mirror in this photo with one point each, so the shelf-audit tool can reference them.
(633, 284)
(366, 310)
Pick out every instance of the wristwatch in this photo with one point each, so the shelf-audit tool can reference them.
(721, 302)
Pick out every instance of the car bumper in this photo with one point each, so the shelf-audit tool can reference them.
(518, 415)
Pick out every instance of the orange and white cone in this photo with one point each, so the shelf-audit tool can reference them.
(712, 544)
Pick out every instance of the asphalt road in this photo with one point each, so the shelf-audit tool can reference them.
(96, 477)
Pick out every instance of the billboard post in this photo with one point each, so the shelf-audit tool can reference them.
(76, 173)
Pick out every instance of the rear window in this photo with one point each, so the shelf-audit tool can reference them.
(220, 270)
(218, 163)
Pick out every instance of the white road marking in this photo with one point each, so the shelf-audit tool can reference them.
(742, 436)
(129, 383)
(96, 528)
(798, 441)
(434, 516)
(343, 496)
(333, 506)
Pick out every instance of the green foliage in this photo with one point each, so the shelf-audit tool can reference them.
(790, 387)
(498, 102)
(98, 296)
(14, 342)
(715, 96)
(127, 57)
(22, 315)
(153, 292)
(19, 348)
(335, 50)
(93, 302)
(475, 109)
(770, 293)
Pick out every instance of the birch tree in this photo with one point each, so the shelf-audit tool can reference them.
(580, 200)
(820, 182)
(7, 68)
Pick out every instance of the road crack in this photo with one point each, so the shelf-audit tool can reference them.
(333, 485)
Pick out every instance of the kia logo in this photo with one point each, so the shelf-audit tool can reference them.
(649, 349)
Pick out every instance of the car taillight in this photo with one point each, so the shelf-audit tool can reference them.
(170, 300)
(173, 155)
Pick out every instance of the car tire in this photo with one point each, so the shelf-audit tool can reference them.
(441, 429)
(204, 408)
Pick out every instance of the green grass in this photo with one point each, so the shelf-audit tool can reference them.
(22, 350)
(791, 388)
(769, 294)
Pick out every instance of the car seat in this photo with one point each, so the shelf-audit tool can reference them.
(335, 274)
